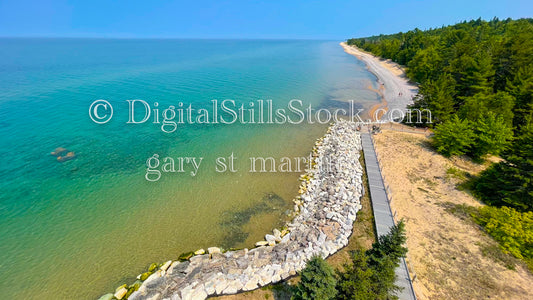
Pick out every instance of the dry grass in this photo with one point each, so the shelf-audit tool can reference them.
(450, 255)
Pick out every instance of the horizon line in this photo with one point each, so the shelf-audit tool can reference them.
(171, 38)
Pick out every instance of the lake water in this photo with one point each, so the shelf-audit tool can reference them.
(79, 228)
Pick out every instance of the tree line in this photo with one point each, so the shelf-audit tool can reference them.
(476, 78)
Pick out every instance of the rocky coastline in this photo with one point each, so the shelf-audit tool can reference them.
(324, 212)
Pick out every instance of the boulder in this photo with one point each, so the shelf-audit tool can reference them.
(68, 156)
(220, 286)
(213, 250)
(165, 266)
(120, 293)
(251, 285)
(106, 297)
(261, 243)
(59, 151)
(152, 267)
(270, 238)
(286, 238)
(185, 256)
(232, 288)
(328, 206)
(145, 275)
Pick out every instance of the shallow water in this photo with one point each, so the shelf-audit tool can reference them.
(84, 226)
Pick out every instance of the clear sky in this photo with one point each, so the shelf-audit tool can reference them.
(241, 19)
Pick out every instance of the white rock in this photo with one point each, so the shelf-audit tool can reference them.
(261, 243)
(221, 286)
(120, 293)
(251, 284)
(165, 266)
(233, 287)
(270, 238)
(187, 292)
(175, 297)
(286, 238)
(210, 287)
(307, 230)
(199, 294)
(212, 250)
(155, 297)
(106, 297)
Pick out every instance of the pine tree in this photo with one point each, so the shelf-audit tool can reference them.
(425, 65)
(475, 73)
(384, 278)
(521, 87)
(438, 97)
(510, 182)
(317, 281)
(390, 245)
(371, 274)
(356, 281)
(492, 136)
(479, 105)
(453, 137)
(384, 258)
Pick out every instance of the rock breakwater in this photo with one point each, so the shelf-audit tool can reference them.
(324, 212)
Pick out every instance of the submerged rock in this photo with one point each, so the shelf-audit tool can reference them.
(59, 151)
(69, 156)
(185, 256)
(145, 275)
(121, 293)
(261, 243)
(106, 297)
(152, 267)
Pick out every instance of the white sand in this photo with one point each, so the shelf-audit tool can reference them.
(390, 75)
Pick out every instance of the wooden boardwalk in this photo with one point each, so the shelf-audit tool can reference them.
(383, 217)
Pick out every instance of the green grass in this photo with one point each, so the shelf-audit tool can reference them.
(456, 173)
(500, 253)
(462, 211)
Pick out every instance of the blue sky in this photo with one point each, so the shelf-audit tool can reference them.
(241, 19)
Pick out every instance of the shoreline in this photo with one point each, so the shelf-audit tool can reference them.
(391, 79)
(324, 213)
(156, 282)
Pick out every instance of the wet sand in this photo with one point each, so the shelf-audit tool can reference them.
(395, 89)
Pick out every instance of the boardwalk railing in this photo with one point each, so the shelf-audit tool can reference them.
(389, 193)
(404, 128)
(380, 194)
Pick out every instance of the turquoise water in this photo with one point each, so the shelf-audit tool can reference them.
(79, 228)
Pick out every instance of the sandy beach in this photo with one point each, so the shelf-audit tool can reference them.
(394, 87)
(451, 255)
